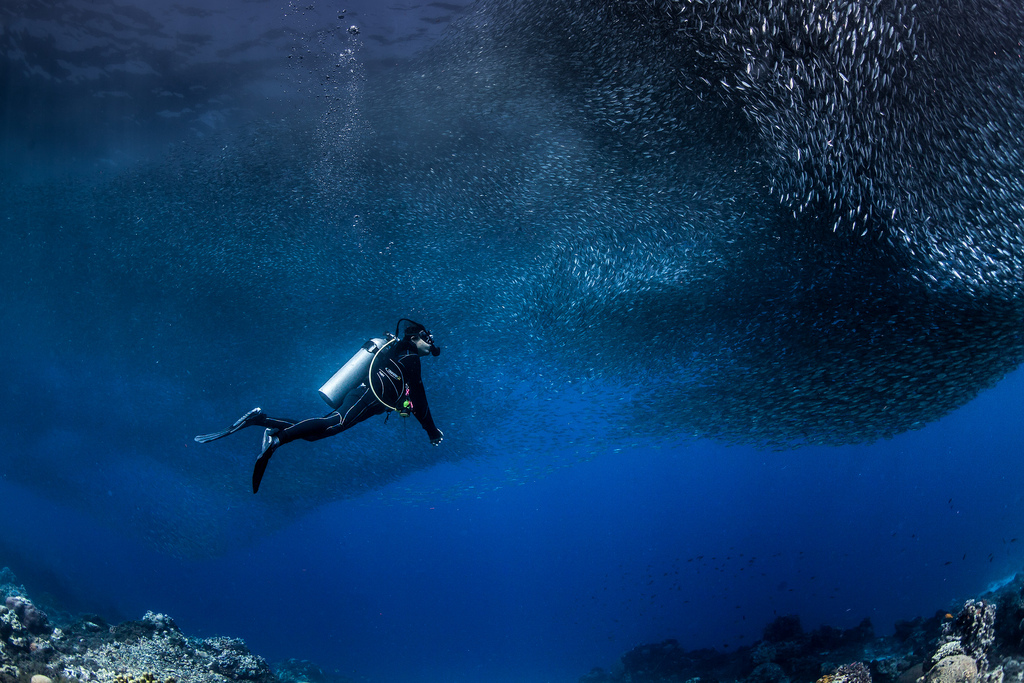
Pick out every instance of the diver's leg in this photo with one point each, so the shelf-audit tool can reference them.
(357, 405)
(273, 438)
(313, 429)
(277, 423)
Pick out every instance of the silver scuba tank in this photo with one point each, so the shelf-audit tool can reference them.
(351, 374)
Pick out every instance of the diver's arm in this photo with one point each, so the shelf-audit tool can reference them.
(423, 415)
(421, 410)
(418, 397)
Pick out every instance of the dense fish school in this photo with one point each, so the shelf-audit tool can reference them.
(773, 222)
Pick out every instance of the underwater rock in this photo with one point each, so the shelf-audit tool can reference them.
(1009, 628)
(953, 669)
(767, 673)
(33, 618)
(12, 632)
(23, 626)
(299, 671)
(857, 672)
(232, 659)
(1013, 668)
(784, 628)
(151, 624)
(27, 640)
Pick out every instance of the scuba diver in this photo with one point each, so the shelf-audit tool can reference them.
(384, 375)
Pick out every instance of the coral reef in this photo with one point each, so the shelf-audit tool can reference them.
(963, 648)
(154, 649)
(150, 650)
(982, 642)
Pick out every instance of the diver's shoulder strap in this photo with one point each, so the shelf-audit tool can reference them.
(392, 339)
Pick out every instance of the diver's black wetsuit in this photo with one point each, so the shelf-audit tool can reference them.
(398, 363)
(393, 382)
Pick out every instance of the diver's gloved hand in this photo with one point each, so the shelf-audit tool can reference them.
(437, 438)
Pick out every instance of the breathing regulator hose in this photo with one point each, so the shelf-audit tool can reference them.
(369, 377)
(406, 406)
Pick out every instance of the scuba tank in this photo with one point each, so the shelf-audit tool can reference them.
(352, 374)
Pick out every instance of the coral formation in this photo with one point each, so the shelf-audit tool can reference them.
(974, 646)
(856, 672)
(155, 649)
(30, 616)
(974, 630)
(87, 650)
(962, 652)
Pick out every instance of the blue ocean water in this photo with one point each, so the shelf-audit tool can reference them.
(541, 580)
(671, 409)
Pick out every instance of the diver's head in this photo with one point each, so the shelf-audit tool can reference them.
(421, 338)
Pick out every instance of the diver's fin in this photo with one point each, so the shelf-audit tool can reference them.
(242, 422)
(258, 470)
(270, 444)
